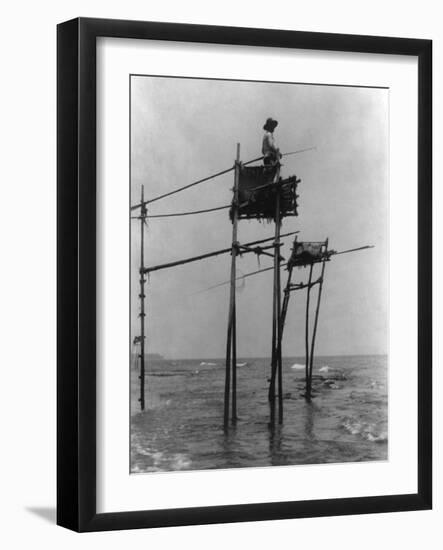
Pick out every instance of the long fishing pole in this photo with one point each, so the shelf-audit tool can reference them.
(334, 253)
(135, 206)
(283, 155)
(330, 253)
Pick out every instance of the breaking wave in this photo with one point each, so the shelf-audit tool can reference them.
(156, 461)
(365, 430)
(297, 366)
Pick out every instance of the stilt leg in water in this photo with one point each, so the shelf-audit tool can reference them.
(314, 332)
(231, 346)
(308, 294)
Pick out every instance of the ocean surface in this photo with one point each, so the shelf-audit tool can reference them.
(182, 426)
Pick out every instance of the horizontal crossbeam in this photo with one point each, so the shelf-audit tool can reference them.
(207, 255)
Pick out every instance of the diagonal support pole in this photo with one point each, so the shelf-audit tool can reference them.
(314, 330)
(308, 296)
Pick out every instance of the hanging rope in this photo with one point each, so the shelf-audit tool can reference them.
(134, 356)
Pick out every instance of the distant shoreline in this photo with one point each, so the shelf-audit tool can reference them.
(158, 356)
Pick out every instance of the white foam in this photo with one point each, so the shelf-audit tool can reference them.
(364, 429)
(296, 366)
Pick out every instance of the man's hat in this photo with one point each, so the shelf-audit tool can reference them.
(270, 124)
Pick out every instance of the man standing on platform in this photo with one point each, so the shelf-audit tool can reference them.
(271, 153)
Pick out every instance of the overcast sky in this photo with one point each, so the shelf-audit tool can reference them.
(185, 129)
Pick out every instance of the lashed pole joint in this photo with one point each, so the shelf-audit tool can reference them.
(143, 215)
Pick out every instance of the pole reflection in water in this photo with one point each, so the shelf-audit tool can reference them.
(275, 444)
(310, 410)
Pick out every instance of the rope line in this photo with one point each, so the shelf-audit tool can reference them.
(184, 187)
(135, 206)
(330, 253)
(242, 277)
(173, 214)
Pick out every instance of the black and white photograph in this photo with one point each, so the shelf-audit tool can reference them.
(259, 217)
(221, 275)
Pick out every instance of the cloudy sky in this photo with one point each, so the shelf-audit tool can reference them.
(185, 129)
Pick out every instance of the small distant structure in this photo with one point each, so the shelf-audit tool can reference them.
(307, 254)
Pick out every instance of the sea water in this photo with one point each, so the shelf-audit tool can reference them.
(182, 425)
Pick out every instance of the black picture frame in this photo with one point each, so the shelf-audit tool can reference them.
(76, 279)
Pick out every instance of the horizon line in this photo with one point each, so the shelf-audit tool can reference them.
(266, 357)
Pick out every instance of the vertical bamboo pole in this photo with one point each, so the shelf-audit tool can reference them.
(308, 293)
(275, 304)
(279, 325)
(320, 288)
(271, 393)
(234, 309)
(231, 336)
(234, 365)
(227, 373)
(142, 300)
